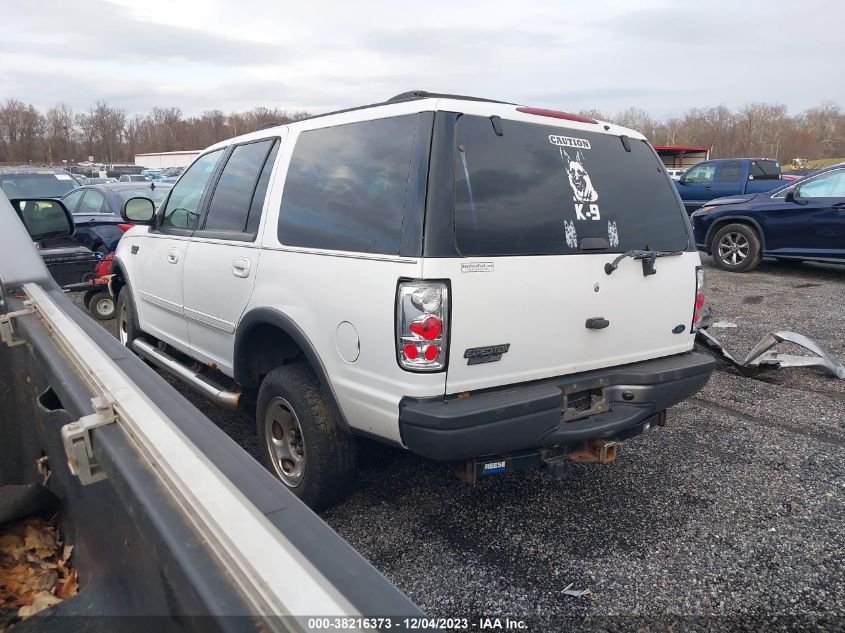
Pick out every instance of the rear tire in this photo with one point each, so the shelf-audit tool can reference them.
(736, 248)
(301, 442)
(127, 320)
(101, 306)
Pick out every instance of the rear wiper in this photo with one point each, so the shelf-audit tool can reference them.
(647, 257)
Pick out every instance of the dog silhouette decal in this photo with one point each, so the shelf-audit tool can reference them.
(579, 179)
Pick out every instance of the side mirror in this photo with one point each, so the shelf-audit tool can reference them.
(44, 218)
(683, 179)
(138, 210)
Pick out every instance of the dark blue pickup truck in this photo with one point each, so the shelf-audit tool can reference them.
(727, 177)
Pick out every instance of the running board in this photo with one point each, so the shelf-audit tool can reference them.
(196, 381)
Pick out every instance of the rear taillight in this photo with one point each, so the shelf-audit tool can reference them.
(422, 325)
(125, 227)
(699, 299)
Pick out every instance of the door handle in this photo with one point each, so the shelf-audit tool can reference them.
(838, 205)
(708, 187)
(596, 323)
(240, 267)
(173, 256)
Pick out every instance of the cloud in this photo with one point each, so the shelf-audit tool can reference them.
(55, 29)
(664, 56)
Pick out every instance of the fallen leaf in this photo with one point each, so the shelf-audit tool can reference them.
(42, 601)
(12, 547)
(69, 587)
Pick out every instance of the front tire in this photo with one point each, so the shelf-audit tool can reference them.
(736, 248)
(127, 319)
(301, 442)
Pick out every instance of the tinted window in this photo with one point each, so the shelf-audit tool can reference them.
(540, 190)
(257, 203)
(93, 202)
(72, 199)
(36, 185)
(345, 187)
(765, 169)
(731, 172)
(230, 204)
(182, 208)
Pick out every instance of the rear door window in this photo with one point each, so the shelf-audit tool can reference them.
(731, 171)
(93, 202)
(232, 202)
(541, 190)
(345, 187)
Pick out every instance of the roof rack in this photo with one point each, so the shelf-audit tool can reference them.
(422, 94)
(411, 95)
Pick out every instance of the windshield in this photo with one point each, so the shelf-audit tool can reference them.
(157, 195)
(36, 185)
(541, 190)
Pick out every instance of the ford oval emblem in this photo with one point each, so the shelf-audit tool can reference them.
(679, 328)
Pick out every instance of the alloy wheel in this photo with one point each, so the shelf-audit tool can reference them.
(733, 248)
(285, 443)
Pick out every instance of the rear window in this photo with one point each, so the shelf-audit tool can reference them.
(541, 190)
(36, 185)
(345, 187)
(765, 169)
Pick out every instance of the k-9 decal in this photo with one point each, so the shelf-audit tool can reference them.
(584, 194)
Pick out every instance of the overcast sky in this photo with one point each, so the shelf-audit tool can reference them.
(661, 55)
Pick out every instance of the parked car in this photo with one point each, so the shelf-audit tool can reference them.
(35, 182)
(135, 178)
(804, 220)
(675, 173)
(99, 181)
(153, 174)
(96, 211)
(727, 177)
(477, 282)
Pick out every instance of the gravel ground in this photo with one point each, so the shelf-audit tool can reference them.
(729, 518)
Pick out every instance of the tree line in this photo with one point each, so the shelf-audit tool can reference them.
(110, 135)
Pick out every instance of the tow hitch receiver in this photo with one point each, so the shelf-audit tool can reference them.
(592, 451)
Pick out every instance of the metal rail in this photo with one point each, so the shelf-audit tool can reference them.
(273, 576)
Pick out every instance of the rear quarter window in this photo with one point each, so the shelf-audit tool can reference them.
(541, 190)
(765, 169)
(345, 187)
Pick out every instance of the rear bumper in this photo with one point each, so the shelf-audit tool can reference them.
(518, 417)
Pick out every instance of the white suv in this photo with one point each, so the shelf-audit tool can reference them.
(480, 283)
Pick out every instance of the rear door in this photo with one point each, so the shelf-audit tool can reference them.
(538, 213)
(156, 276)
(730, 179)
(222, 259)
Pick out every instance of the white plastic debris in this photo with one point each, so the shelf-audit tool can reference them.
(577, 593)
(723, 324)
